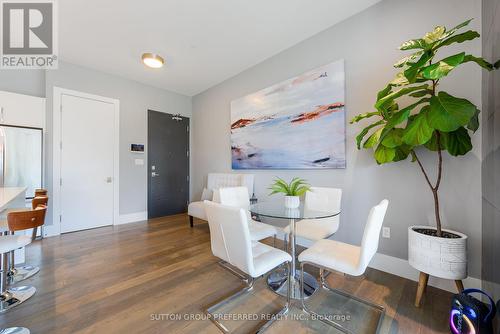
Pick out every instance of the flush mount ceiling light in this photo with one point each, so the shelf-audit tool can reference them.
(152, 60)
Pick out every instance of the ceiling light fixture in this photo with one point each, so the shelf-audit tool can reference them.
(152, 60)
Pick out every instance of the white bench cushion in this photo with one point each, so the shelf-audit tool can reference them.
(197, 209)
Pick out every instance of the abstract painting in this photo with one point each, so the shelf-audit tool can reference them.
(295, 124)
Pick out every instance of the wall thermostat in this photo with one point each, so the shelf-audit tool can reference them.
(137, 148)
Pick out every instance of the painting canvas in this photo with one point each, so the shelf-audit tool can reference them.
(296, 124)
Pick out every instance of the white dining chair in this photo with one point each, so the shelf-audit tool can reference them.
(231, 242)
(320, 199)
(238, 197)
(331, 255)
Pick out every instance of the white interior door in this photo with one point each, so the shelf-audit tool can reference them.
(87, 163)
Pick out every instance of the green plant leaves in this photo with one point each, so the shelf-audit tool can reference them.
(384, 154)
(363, 132)
(448, 113)
(473, 124)
(457, 142)
(389, 98)
(480, 61)
(443, 67)
(359, 117)
(418, 131)
(460, 38)
(373, 139)
(296, 187)
(393, 138)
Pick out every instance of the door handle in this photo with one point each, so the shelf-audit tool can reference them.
(154, 174)
(109, 179)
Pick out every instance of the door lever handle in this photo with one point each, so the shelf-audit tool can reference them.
(109, 179)
(154, 174)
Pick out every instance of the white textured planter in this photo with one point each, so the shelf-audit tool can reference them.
(439, 257)
(292, 202)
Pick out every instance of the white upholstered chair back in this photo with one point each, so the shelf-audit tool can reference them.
(229, 235)
(323, 199)
(371, 235)
(222, 180)
(234, 196)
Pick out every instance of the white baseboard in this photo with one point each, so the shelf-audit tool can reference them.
(400, 267)
(132, 218)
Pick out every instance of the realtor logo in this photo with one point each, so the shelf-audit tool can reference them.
(28, 34)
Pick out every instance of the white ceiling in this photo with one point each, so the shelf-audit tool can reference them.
(203, 42)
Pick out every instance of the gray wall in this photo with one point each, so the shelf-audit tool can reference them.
(491, 151)
(135, 99)
(368, 43)
(29, 82)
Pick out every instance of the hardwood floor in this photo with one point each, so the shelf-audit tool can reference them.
(126, 279)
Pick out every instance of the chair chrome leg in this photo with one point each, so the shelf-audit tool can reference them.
(14, 296)
(309, 312)
(233, 271)
(15, 330)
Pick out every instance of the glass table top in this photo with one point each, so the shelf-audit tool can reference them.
(277, 209)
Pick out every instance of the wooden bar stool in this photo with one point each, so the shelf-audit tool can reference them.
(12, 297)
(20, 221)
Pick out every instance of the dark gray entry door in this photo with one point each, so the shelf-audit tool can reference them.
(168, 164)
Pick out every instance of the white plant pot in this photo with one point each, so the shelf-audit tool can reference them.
(292, 202)
(439, 257)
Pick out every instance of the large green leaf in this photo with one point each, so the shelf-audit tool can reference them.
(473, 124)
(418, 131)
(363, 132)
(393, 138)
(443, 67)
(432, 143)
(409, 59)
(434, 35)
(460, 38)
(382, 103)
(448, 113)
(455, 29)
(384, 154)
(402, 152)
(480, 61)
(383, 93)
(359, 117)
(373, 139)
(413, 44)
(399, 80)
(412, 71)
(458, 142)
(402, 115)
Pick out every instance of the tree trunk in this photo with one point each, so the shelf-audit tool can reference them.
(436, 212)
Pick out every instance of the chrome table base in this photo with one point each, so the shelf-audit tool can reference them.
(21, 273)
(15, 330)
(15, 296)
(278, 282)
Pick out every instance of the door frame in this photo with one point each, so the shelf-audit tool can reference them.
(148, 171)
(56, 155)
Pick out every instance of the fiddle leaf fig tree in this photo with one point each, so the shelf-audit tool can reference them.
(411, 112)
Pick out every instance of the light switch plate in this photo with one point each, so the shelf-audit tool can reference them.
(139, 162)
(386, 232)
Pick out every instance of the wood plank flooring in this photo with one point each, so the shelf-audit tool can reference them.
(126, 279)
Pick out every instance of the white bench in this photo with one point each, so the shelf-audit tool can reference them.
(216, 181)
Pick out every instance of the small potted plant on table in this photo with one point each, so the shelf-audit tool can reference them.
(293, 190)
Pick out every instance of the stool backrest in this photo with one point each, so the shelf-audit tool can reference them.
(40, 192)
(234, 196)
(24, 220)
(371, 236)
(230, 236)
(39, 200)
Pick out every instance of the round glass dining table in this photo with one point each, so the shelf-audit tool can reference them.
(278, 278)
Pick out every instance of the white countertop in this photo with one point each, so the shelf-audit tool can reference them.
(8, 194)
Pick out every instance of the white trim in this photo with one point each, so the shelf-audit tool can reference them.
(133, 218)
(56, 162)
(400, 267)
